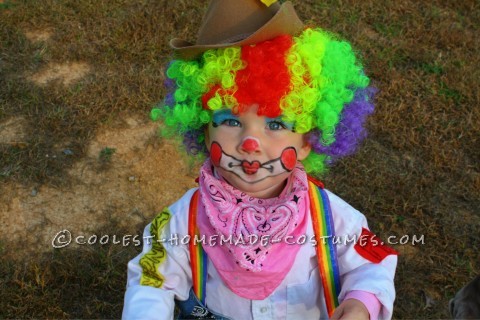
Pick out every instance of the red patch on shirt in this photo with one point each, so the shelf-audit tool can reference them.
(372, 247)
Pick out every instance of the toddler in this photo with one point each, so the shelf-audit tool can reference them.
(267, 104)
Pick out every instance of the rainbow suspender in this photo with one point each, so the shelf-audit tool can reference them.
(198, 257)
(324, 231)
(326, 252)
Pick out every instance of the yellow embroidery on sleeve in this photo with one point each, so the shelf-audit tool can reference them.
(152, 259)
(268, 3)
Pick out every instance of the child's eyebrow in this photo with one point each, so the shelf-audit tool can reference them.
(288, 124)
(222, 111)
(221, 115)
(279, 118)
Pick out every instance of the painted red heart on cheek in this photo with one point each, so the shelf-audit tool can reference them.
(250, 167)
(289, 158)
(215, 153)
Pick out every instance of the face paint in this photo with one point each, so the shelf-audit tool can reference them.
(250, 144)
(254, 153)
(222, 117)
(225, 116)
(216, 154)
(253, 171)
(279, 124)
(289, 158)
(250, 167)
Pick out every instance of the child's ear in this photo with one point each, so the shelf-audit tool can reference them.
(304, 151)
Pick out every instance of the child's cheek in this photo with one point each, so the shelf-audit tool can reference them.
(289, 158)
(215, 153)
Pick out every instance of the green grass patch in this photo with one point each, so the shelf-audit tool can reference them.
(432, 68)
(106, 154)
(7, 4)
(449, 93)
(388, 30)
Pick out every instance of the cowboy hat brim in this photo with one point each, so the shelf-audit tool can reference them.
(285, 21)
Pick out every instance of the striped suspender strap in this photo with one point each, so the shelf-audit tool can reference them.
(198, 257)
(326, 252)
(324, 230)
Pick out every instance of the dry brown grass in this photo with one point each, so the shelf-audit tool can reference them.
(418, 174)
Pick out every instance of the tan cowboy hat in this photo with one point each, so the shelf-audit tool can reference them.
(229, 23)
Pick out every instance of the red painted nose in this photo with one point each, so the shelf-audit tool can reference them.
(250, 145)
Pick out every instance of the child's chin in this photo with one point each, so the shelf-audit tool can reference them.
(256, 185)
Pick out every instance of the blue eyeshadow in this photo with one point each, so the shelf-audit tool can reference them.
(222, 115)
(288, 125)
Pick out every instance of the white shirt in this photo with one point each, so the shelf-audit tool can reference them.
(299, 296)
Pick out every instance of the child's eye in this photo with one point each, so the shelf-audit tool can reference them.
(276, 125)
(231, 122)
(226, 118)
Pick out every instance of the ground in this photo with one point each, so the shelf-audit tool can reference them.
(79, 153)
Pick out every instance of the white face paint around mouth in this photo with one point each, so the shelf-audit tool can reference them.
(253, 171)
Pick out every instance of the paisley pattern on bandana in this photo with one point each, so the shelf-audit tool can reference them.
(249, 219)
(232, 214)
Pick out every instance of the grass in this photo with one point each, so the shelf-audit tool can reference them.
(85, 283)
(106, 154)
(418, 174)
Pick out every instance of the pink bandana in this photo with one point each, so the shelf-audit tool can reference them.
(254, 257)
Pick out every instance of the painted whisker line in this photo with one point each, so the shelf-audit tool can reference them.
(268, 168)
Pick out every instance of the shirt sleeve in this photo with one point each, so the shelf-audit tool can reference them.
(161, 272)
(369, 300)
(356, 271)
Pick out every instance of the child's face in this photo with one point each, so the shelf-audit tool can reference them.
(254, 153)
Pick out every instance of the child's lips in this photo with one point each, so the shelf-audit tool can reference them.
(250, 167)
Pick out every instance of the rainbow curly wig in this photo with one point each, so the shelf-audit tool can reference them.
(312, 80)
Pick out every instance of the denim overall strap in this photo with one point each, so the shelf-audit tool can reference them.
(192, 308)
